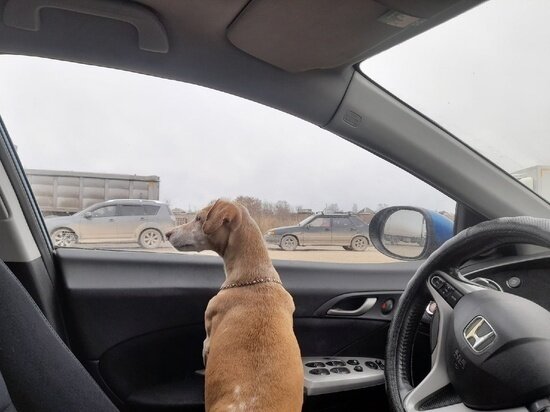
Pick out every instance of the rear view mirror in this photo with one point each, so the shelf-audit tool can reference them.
(88, 215)
(409, 233)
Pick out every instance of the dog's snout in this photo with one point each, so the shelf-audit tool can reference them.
(169, 234)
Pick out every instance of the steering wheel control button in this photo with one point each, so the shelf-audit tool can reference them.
(315, 365)
(340, 370)
(336, 363)
(387, 307)
(449, 293)
(353, 362)
(436, 282)
(453, 298)
(320, 371)
(358, 368)
(371, 365)
(513, 282)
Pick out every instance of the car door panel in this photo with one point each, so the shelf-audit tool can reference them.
(136, 319)
(99, 226)
(342, 231)
(130, 218)
(318, 232)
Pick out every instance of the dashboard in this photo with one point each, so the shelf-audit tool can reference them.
(526, 276)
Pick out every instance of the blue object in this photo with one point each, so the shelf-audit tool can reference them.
(442, 228)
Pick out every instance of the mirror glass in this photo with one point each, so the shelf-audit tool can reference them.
(405, 233)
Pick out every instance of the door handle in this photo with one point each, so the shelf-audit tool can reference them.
(141, 218)
(365, 307)
(111, 220)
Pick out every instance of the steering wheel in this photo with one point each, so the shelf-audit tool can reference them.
(493, 348)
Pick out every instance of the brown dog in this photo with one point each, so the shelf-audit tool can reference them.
(250, 352)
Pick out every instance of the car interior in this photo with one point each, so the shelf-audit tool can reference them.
(98, 330)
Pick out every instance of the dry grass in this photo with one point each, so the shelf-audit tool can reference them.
(269, 222)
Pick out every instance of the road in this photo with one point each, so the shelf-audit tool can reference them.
(306, 254)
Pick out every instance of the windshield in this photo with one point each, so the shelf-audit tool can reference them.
(306, 221)
(482, 76)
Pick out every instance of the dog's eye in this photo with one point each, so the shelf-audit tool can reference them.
(198, 218)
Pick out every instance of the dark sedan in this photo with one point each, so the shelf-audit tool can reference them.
(345, 230)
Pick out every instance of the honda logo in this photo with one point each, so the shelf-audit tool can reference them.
(479, 334)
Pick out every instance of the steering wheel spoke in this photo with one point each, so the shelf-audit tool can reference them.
(436, 388)
(447, 290)
(437, 378)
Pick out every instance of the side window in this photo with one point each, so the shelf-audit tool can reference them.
(132, 210)
(357, 222)
(292, 176)
(341, 223)
(151, 210)
(321, 222)
(107, 211)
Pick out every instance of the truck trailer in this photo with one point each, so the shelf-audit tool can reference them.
(64, 193)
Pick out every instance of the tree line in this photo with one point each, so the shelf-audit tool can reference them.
(269, 215)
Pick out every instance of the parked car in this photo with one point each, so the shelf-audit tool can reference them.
(114, 221)
(338, 229)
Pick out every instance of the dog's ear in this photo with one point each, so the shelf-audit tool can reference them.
(222, 213)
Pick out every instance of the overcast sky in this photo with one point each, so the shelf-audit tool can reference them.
(205, 144)
(484, 76)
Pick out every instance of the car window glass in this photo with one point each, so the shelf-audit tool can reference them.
(358, 221)
(155, 140)
(107, 211)
(132, 210)
(340, 223)
(151, 210)
(320, 222)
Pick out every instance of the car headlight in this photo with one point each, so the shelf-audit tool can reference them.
(270, 232)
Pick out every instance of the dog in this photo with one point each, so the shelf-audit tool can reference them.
(251, 354)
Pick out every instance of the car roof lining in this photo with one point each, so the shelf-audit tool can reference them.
(199, 50)
(302, 35)
(199, 53)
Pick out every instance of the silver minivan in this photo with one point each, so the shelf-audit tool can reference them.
(114, 221)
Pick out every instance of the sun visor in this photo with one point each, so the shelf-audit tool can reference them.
(300, 35)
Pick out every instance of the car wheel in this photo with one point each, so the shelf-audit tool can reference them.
(150, 239)
(289, 243)
(63, 237)
(359, 243)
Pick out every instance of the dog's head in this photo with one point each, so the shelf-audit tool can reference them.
(210, 230)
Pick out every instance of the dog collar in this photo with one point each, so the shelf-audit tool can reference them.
(250, 283)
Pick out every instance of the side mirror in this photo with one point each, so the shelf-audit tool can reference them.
(88, 215)
(409, 233)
